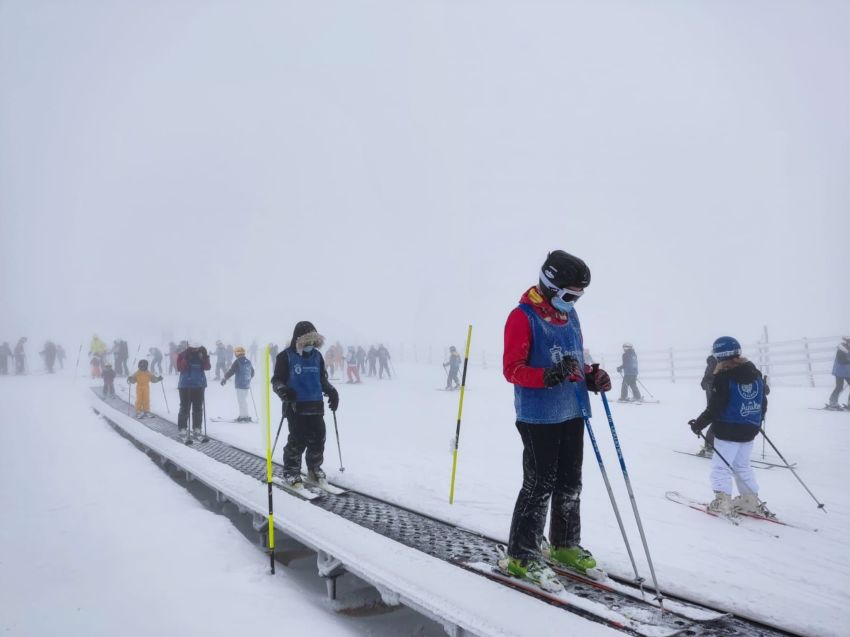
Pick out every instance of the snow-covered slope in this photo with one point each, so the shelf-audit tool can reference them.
(396, 439)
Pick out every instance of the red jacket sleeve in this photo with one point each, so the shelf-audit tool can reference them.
(181, 362)
(515, 359)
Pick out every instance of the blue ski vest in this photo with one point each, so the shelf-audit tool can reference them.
(630, 363)
(194, 377)
(744, 406)
(243, 373)
(304, 376)
(549, 344)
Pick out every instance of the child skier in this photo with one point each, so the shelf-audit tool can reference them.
(108, 376)
(352, 366)
(243, 370)
(736, 409)
(454, 365)
(543, 360)
(299, 380)
(143, 379)
(841, 371)
(629, 368)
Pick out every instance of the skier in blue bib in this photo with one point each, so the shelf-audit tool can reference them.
(736, 408)
(243, 370)
(300, 380)
(841, 371)
(544, 360)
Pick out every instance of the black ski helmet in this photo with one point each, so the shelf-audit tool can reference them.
(562, 270)
(143, 365)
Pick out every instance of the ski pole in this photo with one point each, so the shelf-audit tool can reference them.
(129, 396)
(77, 366)
(338, 448)
(645, 389)
(267, 411)
(821, 505)
(607, 482)
(204, 402)
(254, 403)
(165, 398)
(459, 412)
(279, 427)
(628, 480)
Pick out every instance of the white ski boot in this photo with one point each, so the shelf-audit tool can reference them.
(722, 505)
(751, 505)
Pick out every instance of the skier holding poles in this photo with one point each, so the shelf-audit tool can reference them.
(736, 408)
(543, 359)
(299, 380)
(192, 363)
(244, 372)
(453, 365)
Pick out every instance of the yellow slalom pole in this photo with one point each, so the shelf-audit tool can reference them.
(267, 411)
(459, 413)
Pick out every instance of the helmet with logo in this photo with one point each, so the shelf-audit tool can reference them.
(562, 270)
(725, 347)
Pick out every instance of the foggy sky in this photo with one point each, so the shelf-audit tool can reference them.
(395, 170)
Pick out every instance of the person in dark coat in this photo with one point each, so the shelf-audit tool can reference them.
(5, 355)
(49, 355)
(20, 356)
(60, 356)
(220, 360)
(706, 383)
(453, 365)
(841, 371)
(300, 379)
(156, 360)
(629, 369)
(108, 375)
(192, 363)
(383, 362)
(736, 409)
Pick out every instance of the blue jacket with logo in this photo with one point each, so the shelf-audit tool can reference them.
(305, 373)
(243, 370)
(549, 344)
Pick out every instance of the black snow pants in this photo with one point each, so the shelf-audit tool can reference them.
(839, 385)
(305, 432)
(551, 466)
(192, 397)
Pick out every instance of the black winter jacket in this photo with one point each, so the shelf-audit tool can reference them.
(741, 371)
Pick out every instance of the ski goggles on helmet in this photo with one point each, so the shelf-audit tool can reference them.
(565, 294)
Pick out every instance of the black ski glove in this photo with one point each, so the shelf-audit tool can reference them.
(223, 382)
(597, 379)
(286, 394)
(696, 427)
(567, 367)
(333, 398)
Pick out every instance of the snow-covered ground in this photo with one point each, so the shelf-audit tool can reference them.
(97, 540)
(396, 439)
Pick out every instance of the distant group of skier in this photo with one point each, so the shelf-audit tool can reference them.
(52, 353)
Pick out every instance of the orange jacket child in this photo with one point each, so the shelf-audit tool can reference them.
(143, 379)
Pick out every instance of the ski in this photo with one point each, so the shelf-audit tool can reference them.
(298, 491)
(198, 436)
(230, 420)
(638, 402)
(324, 485)
(601, 580)
(735, 520)
(603, 609)
(755, 463)
(839, 409)
(185, 438)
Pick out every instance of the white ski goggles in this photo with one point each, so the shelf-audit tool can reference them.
(565, 294)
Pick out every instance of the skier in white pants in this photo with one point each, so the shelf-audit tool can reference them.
(244, 372)
(736, 408)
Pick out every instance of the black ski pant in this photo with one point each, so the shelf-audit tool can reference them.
(156, 364)
(4, 365)
(383, 368)
(108, 388)
(551, 471)
(193, 398)
(305, 432)
(629, 382)
(839, 385)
